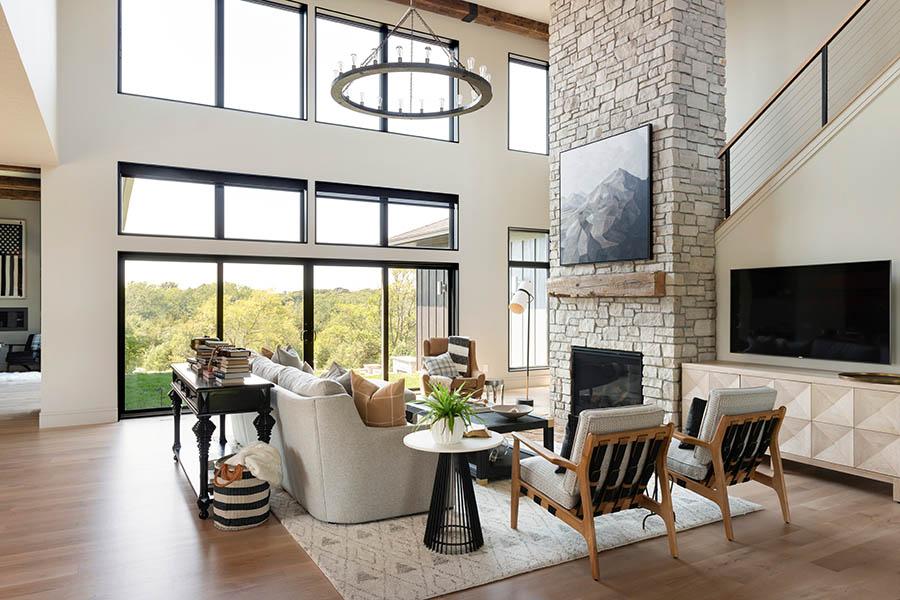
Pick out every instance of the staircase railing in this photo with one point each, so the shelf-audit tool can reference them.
(859, 50)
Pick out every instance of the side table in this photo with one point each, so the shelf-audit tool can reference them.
(206, 399)
(453, 525)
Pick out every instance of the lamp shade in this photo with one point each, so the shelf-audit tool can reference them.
(522, 297)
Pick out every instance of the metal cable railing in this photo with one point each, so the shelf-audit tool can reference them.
(844, 65)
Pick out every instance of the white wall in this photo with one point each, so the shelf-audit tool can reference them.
(842, 205)
(98, 127)
(765, 41)
(32, 23)
(31, 213)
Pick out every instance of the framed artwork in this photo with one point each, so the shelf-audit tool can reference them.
(605, 207)
(12, 258)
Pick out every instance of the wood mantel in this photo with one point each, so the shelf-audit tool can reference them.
(610, 285)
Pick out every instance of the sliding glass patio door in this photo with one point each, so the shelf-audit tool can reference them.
(367, 316)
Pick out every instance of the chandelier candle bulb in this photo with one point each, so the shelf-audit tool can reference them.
(353, 61)
(470, 63)
(428, 54)
(399, 54)
(482, 70)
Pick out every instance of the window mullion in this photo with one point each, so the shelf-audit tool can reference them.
(220, 53)
(383, 80)
(219, 211)
(383, 222)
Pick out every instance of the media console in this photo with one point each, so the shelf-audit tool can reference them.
(834, 423)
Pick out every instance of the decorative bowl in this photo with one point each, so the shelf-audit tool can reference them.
(512, 411)
(882, 378)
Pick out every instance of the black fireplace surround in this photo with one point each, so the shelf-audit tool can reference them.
(602, 379)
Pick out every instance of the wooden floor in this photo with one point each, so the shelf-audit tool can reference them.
(102, 512)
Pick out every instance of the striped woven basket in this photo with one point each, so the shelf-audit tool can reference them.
(240, 500)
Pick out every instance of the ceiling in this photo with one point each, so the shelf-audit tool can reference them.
(24, 139)
(539, 10)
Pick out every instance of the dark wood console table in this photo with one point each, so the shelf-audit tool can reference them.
(207, 398)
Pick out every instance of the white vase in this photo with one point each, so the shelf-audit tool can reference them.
(442, 435)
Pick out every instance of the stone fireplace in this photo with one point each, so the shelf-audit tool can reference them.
(616, 65)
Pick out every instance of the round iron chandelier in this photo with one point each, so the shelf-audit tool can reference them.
(377, 64)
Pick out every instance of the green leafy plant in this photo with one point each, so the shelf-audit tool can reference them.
(446, 404)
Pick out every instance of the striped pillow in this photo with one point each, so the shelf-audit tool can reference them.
(441, 365)
(379, 407)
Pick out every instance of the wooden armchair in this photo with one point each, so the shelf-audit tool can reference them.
(472, 381)
(739, 426)
(617, 450)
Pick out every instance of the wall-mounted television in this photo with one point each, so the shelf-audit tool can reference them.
(839, 312)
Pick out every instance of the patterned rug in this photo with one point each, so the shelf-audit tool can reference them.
(386, 559)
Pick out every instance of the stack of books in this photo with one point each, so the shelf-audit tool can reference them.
(230, 365)
(203, 348)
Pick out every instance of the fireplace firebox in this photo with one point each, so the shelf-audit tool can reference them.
(602, 379)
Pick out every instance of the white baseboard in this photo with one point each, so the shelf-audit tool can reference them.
(72, 418)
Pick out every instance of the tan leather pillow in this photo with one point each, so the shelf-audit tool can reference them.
(378, 407)
(266, 352)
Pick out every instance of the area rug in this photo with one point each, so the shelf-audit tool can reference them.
(386, 559)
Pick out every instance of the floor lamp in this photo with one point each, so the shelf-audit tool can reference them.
(521, 302)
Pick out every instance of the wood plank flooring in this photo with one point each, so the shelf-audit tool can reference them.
(103, 512)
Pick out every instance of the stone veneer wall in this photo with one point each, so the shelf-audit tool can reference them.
(616, 65)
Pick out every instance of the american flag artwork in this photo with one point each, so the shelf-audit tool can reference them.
(12, 258)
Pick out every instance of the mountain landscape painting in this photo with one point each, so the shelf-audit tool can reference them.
(605, 204)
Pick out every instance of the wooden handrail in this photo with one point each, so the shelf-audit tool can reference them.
(793, 77)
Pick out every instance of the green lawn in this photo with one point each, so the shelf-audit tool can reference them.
(147, 390)
(151, 390)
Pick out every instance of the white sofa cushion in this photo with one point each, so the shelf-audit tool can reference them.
(266, 369)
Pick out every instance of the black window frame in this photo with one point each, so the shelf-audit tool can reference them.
(384, 30)
(308, 265)
(385, 197)
(524, 264)
(528, 62)
(220, 180)
(219, 56)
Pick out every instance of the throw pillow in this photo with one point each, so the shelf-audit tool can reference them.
(379, 407)
(695, 418)
(266, 352)
(305, 384)
(266, 368)
(442, 365)
(338, 373)
(288, 357)
(568, 440)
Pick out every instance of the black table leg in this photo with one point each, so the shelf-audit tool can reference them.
(204, 429)
(176, 411)
(222, 440)
(453, 525)
(548, 437)
(264, 421)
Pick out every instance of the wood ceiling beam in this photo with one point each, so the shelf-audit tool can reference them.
(11, 194)
(20, 188)
(459, 9)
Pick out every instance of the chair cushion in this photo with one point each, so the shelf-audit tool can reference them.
(542, 475)
(310, 386)
(442, 365)
(730, 401)
(609, 420)
(683, 461)
(379, 406)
